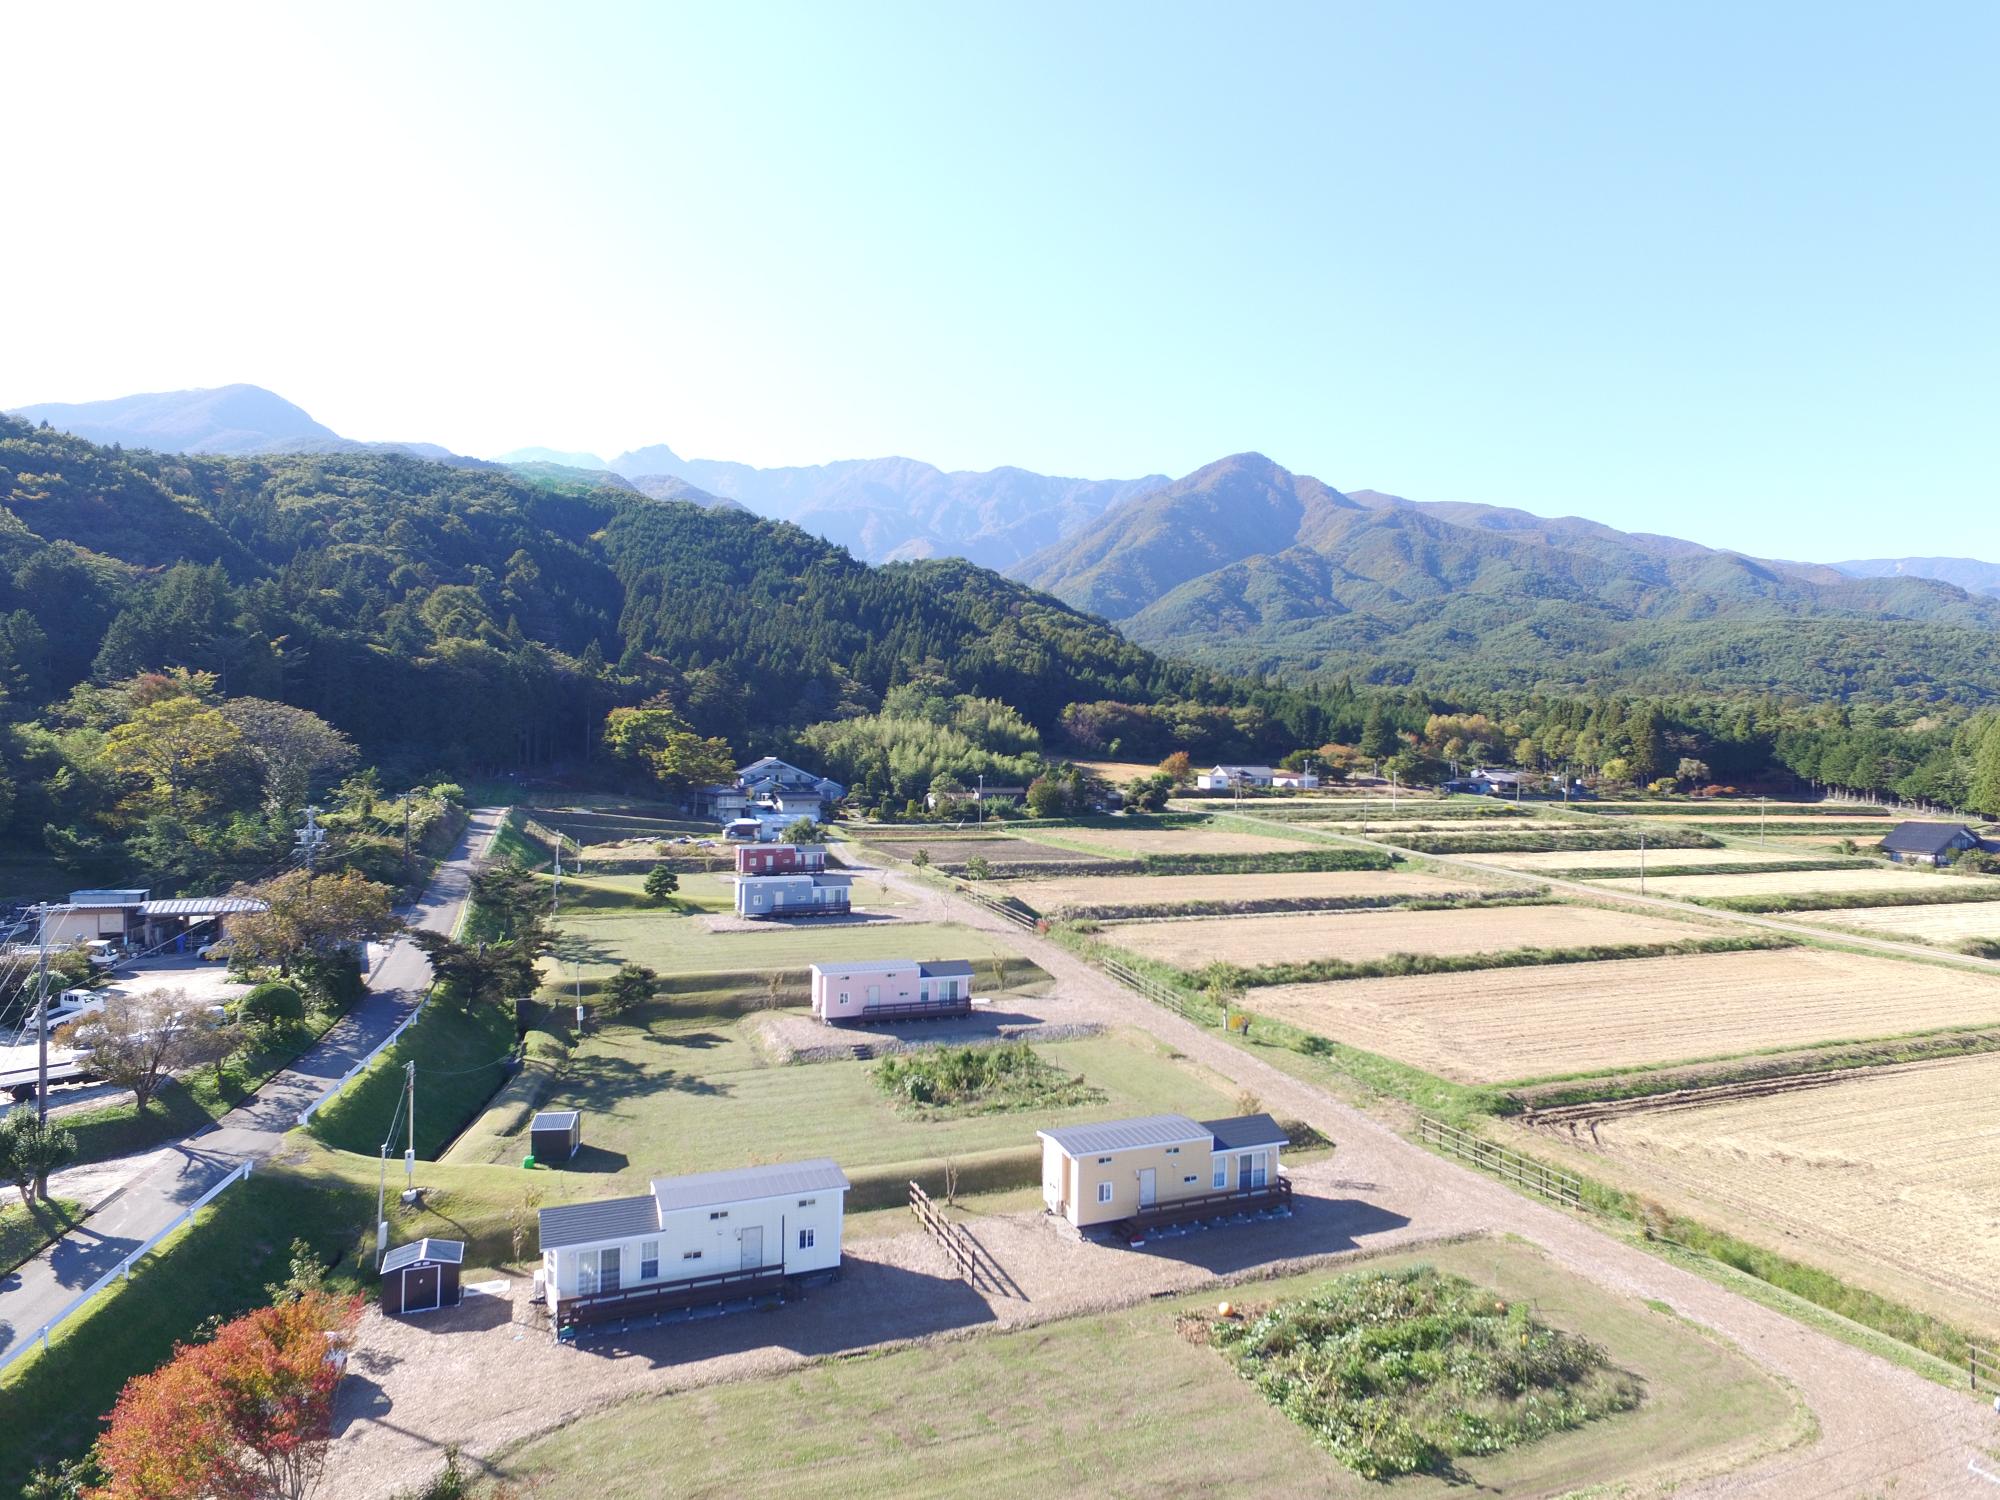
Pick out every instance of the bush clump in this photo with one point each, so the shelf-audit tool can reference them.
(981, 1081)
(1401, 1372)
(271, 1004)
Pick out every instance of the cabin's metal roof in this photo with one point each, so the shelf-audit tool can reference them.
(444, 1252)
(1244, 1132)
(742, 1184)
(945, 968)
(1924, 838)
(202, 906)
(1127, 1135)
(591, 1223)
(553, 1119)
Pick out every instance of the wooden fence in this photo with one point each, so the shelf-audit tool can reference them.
(1510, 1166)
(1181, 1003)
(1015, 914)
(957, 1244)
(1982, 1365)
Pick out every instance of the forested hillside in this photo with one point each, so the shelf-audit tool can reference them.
(1251, 568)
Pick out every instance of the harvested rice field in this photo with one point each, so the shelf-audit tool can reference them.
(1363, 936)
(1952, 922)
(1895, 1169)
(1814, 882)
(1510, 1025)
(1621, 859)
(1000, 851)
(1053, 897)
(1131, 843)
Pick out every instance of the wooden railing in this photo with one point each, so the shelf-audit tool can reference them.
(910, 1010)
(956, 1243)
(1522, 1171)
(1277, 1193)
(1181, 1003)
(665, 1296)
(1982, 1365)
(1017, 915)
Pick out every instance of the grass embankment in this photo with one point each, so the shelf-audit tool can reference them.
(181, 1106)
(1124, 1403)
(462, 1056)
(1533, 841)
(1943, 893)
(1273, 905)
(24, 1230)
(1330, 810)
(1654, 871)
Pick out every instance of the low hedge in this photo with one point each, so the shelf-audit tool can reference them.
(1401, 965)
(997, 1171)
(1529, 841)
(1274, 904)
(1940, 893)
(1633, 872)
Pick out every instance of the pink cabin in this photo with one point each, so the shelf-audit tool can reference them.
(891, 989)
(780, 859)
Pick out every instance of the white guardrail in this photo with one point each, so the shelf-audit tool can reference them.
(306, 1114)
(123, 1269)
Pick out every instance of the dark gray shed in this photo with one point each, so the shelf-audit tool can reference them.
(555, 1134)
(421, 1276)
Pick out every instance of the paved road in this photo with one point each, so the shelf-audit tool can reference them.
(1882, 1431)
(40, 1289)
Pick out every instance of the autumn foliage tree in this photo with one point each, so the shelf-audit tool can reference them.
(246, 1416)
(656, 740)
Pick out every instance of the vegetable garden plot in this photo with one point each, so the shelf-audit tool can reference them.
(1197, 839)
(1055, 897)
(1502, 1025)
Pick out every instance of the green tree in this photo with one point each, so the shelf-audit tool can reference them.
(661, 884)
(1984, 791)
(30, 1149)
(803, 831)
(976, 868)
(171, 748)
(1378, 736)
(632, 986)
(655, 740)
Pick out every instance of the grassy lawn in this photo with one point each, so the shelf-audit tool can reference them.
(682, 945)
(666, 1096)
(23, 1231)
(625, 892)
(1122, 1404)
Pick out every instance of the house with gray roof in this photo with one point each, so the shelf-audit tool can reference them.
(1157, 1170)
(1921, 843)
(708, 1237)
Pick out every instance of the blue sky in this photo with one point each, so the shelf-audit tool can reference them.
(1721, 271)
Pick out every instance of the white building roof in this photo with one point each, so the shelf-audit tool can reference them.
(743, 1184)
(1128, 1135)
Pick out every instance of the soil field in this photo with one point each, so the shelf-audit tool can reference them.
(1951, 922)
(1739, 822)
(1619, 859)
(1894, 1169)
(1811, 882)
(1509, 1025)
(1131, 843)
(1361, 936)
(1053, 897)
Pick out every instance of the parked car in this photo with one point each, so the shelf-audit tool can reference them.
(218, 951)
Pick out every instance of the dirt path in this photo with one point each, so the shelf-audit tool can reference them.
(1882, 1430)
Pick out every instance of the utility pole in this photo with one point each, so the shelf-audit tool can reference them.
(1642, 864)
(410, 1151)
(308, 842)
(1760, 822)
(406, 835)
(42, 1020)
(982, 797)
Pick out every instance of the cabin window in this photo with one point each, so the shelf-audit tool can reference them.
(807, 1202)
(586, 1272)
(649, 1260)
(1104, 1161)
(690, 1255)
(1221, 1179)
(1187, 1179)
(1253, 1170)
(1173, 1151)
(806, 1238)
(1104, 1192)
(720, 1213)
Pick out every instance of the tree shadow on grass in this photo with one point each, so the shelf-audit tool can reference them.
(604, 1082)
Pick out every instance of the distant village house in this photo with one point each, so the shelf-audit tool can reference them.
(1920, 843)
(1229, 778)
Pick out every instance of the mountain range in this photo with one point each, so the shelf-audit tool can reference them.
(1245, 565)
(1248, 566)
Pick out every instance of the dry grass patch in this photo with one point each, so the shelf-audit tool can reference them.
(1501, 1025)
(1619, 859)
(1055, 896)
(1361, 936)
(1951, 922)
(1198, 839)
(1811, 883)
(1894, 1170)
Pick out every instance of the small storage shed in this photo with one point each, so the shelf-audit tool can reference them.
(421, 1276)
(555, 1135)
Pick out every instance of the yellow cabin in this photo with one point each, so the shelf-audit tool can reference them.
(1162, 1169)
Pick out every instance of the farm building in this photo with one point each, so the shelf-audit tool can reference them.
(130, 918)
(979, 795)
(1228, 778)
(710, 1237)
(1918, 843)
(780, 859)
(1155, 1170)
(800, 895)
(421, 1276)
(1485, 783)
(555, 1135)
(892, 989)
(775, 788)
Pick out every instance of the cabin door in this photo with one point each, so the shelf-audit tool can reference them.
(753, 1248)
(607, 1270)
(1147, 1191)
(420, 1289)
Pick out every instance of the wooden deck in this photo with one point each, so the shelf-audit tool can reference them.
(1273, 1197)
(910, 1010)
